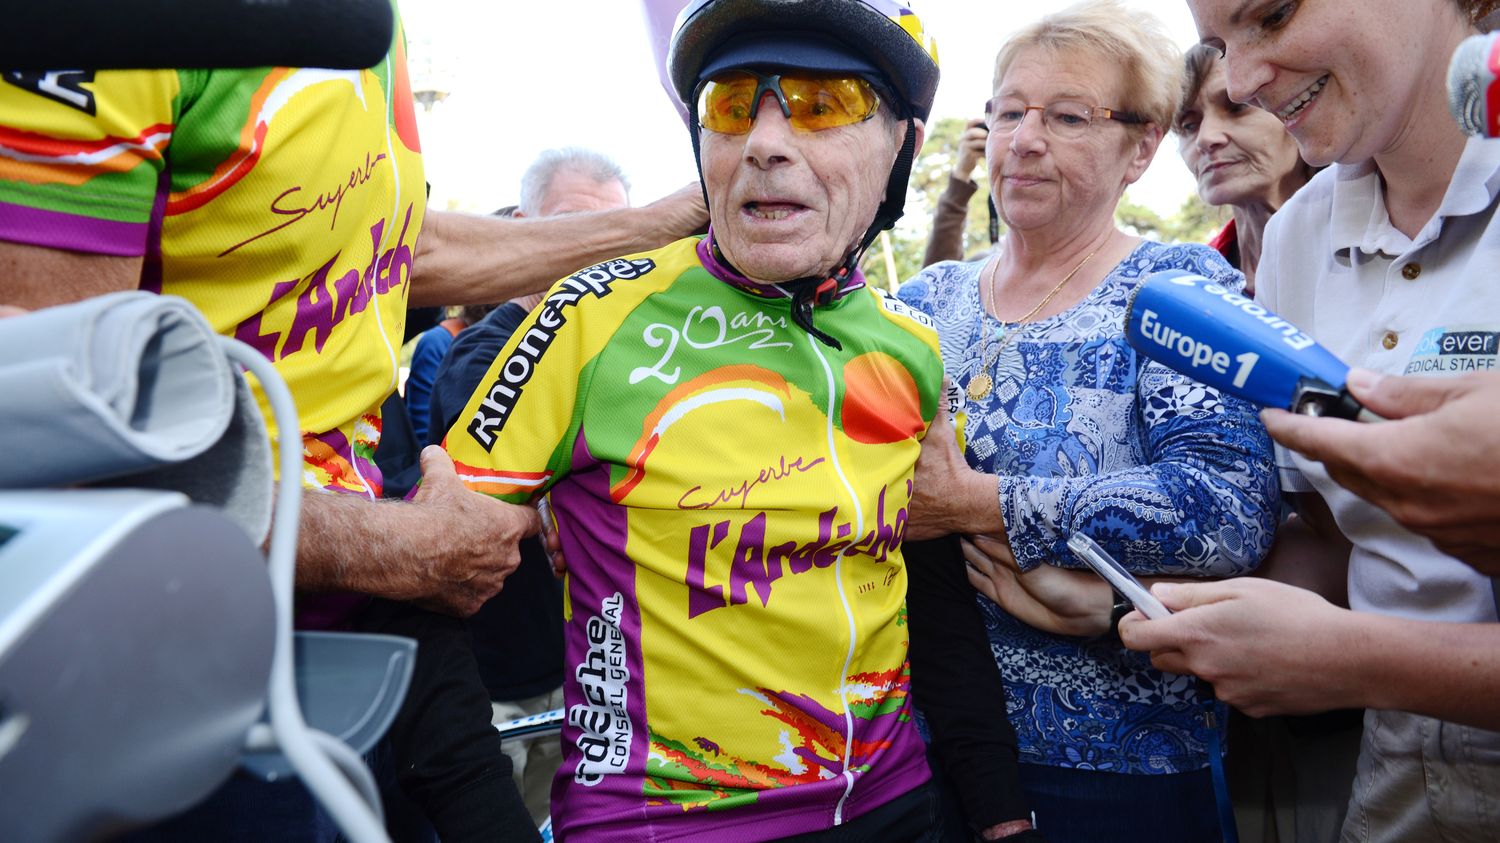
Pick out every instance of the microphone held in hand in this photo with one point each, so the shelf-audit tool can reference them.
(1223, 339)
(1473, 95)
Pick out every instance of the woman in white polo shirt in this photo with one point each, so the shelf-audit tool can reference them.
(1389, 258)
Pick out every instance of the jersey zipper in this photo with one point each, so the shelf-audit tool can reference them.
(838, 573)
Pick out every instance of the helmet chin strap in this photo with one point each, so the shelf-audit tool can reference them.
(815, 290)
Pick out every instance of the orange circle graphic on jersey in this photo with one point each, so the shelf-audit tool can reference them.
(881, 402)
(402, 102)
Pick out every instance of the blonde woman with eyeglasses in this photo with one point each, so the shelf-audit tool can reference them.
(1066, 430)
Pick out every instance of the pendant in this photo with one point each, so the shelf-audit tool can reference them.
(980, 386)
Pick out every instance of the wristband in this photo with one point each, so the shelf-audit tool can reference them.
(1120, 609)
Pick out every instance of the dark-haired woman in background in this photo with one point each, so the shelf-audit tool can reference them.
(1241, 156)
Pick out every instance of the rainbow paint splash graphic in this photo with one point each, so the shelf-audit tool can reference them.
(700, 775)
(331, 461)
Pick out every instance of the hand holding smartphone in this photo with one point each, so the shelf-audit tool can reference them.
(1115, 574)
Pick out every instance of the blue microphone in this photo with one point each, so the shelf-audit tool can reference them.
(1214, 335)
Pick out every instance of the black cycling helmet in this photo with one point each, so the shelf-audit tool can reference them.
(881, 40)
(885, 32)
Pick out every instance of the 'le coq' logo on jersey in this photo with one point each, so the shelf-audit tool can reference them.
(506, 389)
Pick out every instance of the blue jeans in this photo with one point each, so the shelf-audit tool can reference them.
(247, 810)
(1084, 806)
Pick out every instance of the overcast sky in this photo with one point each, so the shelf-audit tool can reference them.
(525, 76)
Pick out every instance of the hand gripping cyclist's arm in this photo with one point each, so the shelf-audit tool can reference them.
(448, 548)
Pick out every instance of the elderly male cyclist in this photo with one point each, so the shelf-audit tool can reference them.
(727, 428)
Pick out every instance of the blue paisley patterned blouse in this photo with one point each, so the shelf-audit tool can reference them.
(1166, 474)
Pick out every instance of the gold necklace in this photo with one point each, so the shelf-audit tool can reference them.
(983, 383)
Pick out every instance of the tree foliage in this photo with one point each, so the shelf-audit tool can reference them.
(929, 178)
(1196, 221)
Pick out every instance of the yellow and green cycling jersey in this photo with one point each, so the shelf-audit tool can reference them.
(283, 202)
(731, 496)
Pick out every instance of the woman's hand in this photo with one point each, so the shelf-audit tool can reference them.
(1268, 648)
(1049, 598)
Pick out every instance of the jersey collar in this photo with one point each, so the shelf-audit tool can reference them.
(718, 267)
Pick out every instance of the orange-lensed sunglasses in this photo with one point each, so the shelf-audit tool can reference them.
(811, 102)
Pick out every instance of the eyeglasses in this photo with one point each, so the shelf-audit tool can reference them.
(811, 102)
(1064, 118)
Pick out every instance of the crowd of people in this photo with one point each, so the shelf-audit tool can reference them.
(805, 568)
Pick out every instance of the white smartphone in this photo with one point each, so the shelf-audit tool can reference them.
(1115, 574)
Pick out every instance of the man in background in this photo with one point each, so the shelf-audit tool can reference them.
(518, 634)
(561, 181)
